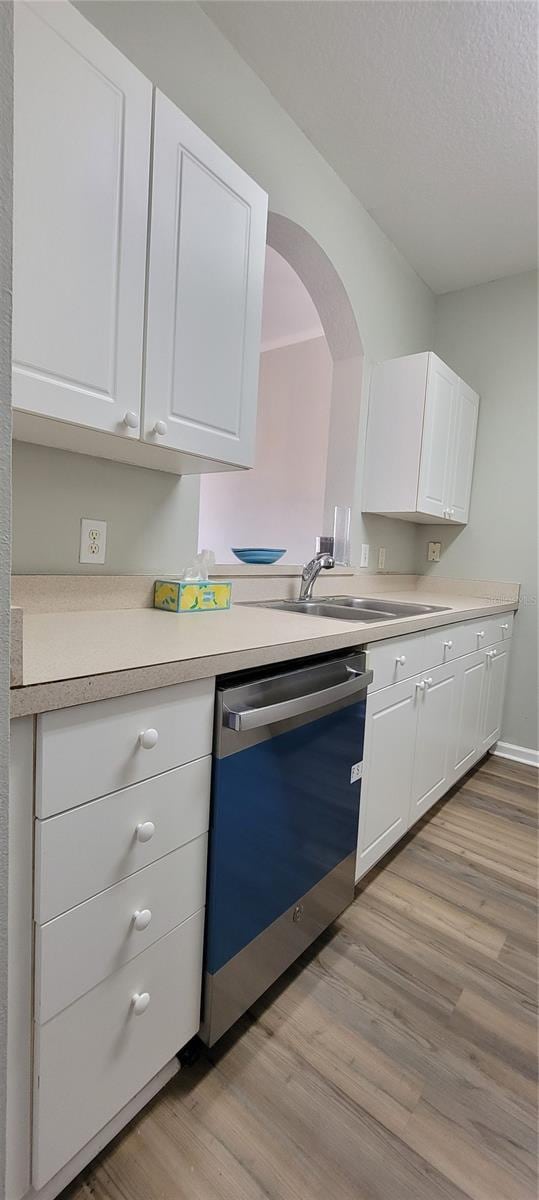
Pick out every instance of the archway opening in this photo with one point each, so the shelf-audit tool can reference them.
(308, 418)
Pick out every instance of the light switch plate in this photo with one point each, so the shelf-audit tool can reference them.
(381, 558)
(364, 561)
(93, 540)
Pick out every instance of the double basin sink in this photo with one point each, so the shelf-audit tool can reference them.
(352, 608)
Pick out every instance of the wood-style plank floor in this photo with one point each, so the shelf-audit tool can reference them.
(396, 1061)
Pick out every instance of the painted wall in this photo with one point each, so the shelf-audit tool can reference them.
(6, 190)
(152, 516)
(488, 334)
(280, 502)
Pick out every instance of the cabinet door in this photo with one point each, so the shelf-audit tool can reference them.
(497, 661)
(466, 746)
(82, 148)
(388, 756)
(462, 452)
(207, 253)
(435, 717)
(438, 423)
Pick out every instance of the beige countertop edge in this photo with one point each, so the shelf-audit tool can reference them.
(43, 696)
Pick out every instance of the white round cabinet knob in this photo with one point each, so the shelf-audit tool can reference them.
(140, 1002)
(131, 420)
(428, 683)
(400, 661)
(142, 918)
(421, 686)
(145, 831)
(505, 626)
(492, 653)
(160, 428)
(448, 645)
(481, 633)
(148, 738)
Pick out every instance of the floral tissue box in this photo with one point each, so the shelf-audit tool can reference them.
(204, 595)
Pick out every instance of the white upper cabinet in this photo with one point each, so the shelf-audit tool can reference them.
(466, 410)
(87, 266)
(81, 179)
(206, 274)
(420, 447)
(436, 448)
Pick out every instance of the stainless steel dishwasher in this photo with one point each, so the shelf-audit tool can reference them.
(283, 832)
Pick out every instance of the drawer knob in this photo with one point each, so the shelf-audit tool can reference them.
(428, 683)
(505, 626)
(448, 645)
(421, 685)
(481, 633)
(140, 1002)
(160, 428)
(400, 660)
(145, 831)
(148, 738)
(131, 420)
(142, 918)
(492, 653)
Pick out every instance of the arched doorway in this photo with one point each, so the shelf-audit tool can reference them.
(307, 453)
(330, 298)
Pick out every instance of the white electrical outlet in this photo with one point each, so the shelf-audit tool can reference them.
(364, 560)
(93, 540)
(433, 551)
(381, 558)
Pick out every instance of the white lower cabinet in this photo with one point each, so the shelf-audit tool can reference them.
(105, 985)
(435, 715)
(423, 733)
(388, 763)
(467, 723)
(99, 1052)
(497, 660)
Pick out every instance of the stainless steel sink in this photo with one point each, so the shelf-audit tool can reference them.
(350, 608)
(389, 607)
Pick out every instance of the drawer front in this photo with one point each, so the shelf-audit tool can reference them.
(94, 749)
(396, 659)
(97, 1054)
(84, 946)
(499, 628)
(87, 850)
(452, 641)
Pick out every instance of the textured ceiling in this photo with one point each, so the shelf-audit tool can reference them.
(288, 313)
(427, 110)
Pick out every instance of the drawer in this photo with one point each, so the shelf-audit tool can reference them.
(93, 1057)
(499, 628)
(452, 641)
(82, 947)
(93, 749)
(396, 659)
(87, 850)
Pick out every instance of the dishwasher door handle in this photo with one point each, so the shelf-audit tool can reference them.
(244, 719)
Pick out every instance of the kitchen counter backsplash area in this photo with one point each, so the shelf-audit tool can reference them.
(88, 593)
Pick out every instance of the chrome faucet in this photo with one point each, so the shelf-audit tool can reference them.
(311, 571)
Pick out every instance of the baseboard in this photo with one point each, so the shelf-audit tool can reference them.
(519, 754)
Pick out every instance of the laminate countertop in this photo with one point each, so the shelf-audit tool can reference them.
(76, 657)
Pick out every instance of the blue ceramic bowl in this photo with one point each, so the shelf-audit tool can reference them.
(261, 555)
